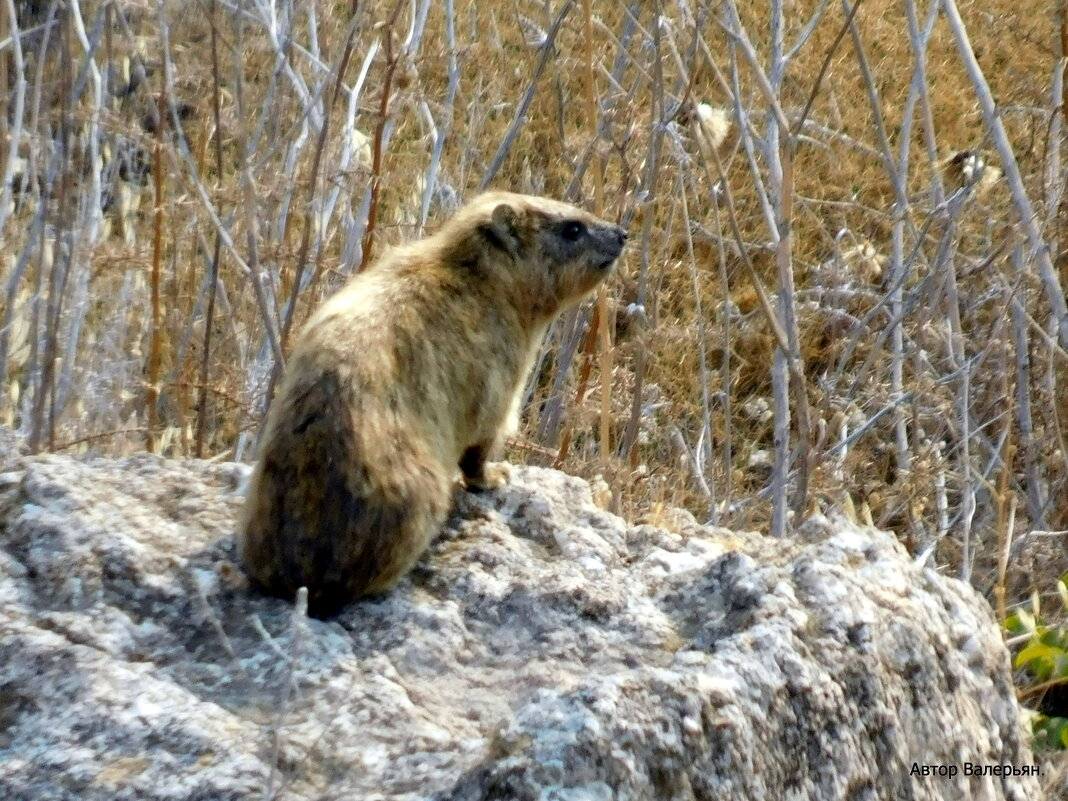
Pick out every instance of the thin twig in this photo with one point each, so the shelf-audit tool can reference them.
(385, 99)
(1040, 249)
(658, 115)
(209, 316)
(310, 216)
(15, 132)
(547, 50)
(157, 252)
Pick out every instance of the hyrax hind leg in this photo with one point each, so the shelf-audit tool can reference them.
(479, 474)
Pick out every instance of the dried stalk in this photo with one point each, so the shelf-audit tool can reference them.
(701, 455)
(56, 171)
(547, 49)
(209, 316)
(311, 218)
(658, 117)
(959, 361)
(1032, 467)
(1040, 250)
(443, 130)
(788, 368)
(14, 133)
(574, 324)
(1005, 537)
(43, 430)
(569, 331)
(157, 250)
(574, 320)
(182, 156)
(898, 267)
(593, 121)
(392, 58)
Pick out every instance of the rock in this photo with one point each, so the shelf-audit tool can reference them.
(544, 649)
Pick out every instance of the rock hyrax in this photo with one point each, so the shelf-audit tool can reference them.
(408, 376)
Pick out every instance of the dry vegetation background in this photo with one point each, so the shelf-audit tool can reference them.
(853, 302)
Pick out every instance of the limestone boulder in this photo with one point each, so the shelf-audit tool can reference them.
(543, 649)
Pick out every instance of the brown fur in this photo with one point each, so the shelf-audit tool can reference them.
(409, 374)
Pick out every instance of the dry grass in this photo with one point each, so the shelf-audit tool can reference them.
(829, 310)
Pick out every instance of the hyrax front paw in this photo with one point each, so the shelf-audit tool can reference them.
(491, 476)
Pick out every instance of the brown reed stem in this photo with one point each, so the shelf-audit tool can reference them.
(157, 251)
(392, 58)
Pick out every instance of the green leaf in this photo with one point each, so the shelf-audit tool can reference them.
(1059, 669)
(1026, 620)
(1039, 657)
(1051, 732)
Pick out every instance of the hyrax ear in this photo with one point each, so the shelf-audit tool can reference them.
(503, 229)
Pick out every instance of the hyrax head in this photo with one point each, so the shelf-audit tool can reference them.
(558, 252)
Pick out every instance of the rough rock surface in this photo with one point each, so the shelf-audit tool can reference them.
(543, 650)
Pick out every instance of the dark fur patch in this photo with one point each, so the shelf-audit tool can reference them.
(323, 518)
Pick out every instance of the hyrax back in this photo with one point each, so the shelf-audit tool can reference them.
(409, 374)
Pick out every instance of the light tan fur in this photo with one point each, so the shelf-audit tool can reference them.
(409, 375)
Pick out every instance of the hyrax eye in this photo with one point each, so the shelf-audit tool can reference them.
(572, 231)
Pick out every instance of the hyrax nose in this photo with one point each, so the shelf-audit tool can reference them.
(621, 236)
